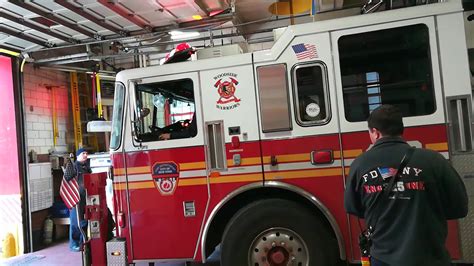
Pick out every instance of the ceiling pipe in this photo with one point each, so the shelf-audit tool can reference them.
(79, 69)
(214, 37)
(64, 58)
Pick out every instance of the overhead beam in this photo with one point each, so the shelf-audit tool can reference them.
(194, 25)
(25, 37)
(216, 5)
(28, 24)
(11, 48)
(165, 10)
(123, 12)
(51, 16)
(80, 11)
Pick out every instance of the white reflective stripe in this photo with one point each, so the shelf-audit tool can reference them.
(247, 170)
(142, 177)
(300, 166)
(348, 162)
(242, 170)
(236, 170)
(131, 178)
(119, 178)
(148, 177)
(192, 173)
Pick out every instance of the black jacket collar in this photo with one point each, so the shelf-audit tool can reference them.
(389, 140)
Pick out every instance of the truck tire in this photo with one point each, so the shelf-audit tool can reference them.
(277, 232)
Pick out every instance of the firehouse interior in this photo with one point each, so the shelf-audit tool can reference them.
(217, 132)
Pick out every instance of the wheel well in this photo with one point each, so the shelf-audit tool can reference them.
(219, 222)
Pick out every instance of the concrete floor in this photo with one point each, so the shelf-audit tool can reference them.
(58, 254)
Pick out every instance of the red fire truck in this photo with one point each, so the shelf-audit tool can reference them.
(250, 152)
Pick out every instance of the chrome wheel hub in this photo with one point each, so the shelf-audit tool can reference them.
(278, 247)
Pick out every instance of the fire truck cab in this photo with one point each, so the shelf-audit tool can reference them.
(250, 152)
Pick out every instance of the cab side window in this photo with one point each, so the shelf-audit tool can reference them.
(390, 66)
(166, 110)
(274, 98)
(311, 95)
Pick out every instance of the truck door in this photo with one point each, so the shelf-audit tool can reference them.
(458, 94)
(166, 183)
(393, 63)
(231, 127)
(299, 125)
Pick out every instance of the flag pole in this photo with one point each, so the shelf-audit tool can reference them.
(79, 225)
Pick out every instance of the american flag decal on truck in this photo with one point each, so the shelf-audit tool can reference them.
(305, 51)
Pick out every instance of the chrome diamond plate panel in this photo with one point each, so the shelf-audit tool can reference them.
(464, 164)
(116, 246)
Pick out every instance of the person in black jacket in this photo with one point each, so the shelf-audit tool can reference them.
(188, 132)
(410, 227)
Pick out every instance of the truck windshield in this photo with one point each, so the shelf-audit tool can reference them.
(117, 116)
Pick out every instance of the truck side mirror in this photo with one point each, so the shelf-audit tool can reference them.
(144, 112)
(99, 126)
(140, 114)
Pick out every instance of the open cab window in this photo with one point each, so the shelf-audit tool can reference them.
(166, 110)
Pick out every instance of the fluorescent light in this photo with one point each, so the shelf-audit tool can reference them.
(178, 35)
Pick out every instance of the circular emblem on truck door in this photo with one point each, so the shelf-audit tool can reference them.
(166, 186)
(313, 109)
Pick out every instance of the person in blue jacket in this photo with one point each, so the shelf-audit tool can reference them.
(75, 237)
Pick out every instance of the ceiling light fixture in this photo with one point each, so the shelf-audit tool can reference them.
(179, 35)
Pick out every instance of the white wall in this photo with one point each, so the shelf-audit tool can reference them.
(38, 108)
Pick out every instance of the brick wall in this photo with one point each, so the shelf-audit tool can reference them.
(38, 108)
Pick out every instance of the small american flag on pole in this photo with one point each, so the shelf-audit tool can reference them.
(69, 190)
(305, 51)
